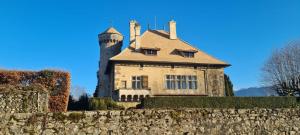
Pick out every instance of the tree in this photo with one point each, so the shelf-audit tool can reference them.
(71, 103)
(282, 70)
(77, 91)
(78, 99)
(77, 105)
(228, 86)
(83, 102)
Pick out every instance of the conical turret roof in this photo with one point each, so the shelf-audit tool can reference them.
(111, 30)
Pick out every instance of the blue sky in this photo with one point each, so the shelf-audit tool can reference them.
(60, 34)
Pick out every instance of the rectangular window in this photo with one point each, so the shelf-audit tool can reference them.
(124, 85)
(181, 82)
(170, 82)
(190, 82)
(173, 82)
(133, 82)
(194, 82)
(145, 82)
(140, 82)
(178, 79)
(136, 82)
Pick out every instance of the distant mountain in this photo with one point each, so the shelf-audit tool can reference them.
(255, 91)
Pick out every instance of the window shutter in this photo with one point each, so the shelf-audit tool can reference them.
(145, 81)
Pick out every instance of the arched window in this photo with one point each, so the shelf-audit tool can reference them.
(147, 96)
(123, 98)
(129, 98)
(135, 98)
(141, 97)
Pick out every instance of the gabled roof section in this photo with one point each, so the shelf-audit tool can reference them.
(111, 30)
(160, 39)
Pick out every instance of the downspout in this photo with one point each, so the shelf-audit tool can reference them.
(205, 78)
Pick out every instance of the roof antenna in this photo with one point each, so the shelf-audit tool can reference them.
(155, 22)
(148, 26)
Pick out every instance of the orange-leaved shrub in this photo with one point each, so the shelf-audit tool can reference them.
(56, 83)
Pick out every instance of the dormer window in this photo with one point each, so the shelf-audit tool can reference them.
(186, 53)
(150, 51)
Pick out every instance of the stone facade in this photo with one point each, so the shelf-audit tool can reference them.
(155, 122)
(23, 101)
(210, 82)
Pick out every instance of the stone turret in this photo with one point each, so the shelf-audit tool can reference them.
(110, 42)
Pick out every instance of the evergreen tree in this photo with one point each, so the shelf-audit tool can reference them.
(71, 103)
(228, 86)
(83, 102)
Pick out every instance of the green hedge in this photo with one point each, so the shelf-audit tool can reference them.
(221, 102)
(103, 104)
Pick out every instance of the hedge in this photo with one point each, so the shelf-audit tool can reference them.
(220, 102)
(103, 104)
(56, 83)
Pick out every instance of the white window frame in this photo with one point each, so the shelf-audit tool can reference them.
(136, 83)
(181, 82)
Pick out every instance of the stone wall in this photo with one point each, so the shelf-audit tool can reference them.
(23, 101)
(151, 122)
(110, 45)
(215, 82)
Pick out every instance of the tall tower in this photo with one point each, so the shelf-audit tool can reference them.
(110, 42)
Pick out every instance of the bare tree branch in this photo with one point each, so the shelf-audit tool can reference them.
(282, 70)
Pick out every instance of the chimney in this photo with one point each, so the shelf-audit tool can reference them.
(132, 31)
(137, 36)
(172, 26)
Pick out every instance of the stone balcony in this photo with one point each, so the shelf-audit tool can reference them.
(131, 95)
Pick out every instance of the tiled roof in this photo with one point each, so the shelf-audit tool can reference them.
(160, 39)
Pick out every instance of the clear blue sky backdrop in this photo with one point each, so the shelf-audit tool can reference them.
(61, 34)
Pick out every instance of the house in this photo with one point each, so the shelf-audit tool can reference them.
(155, 63)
